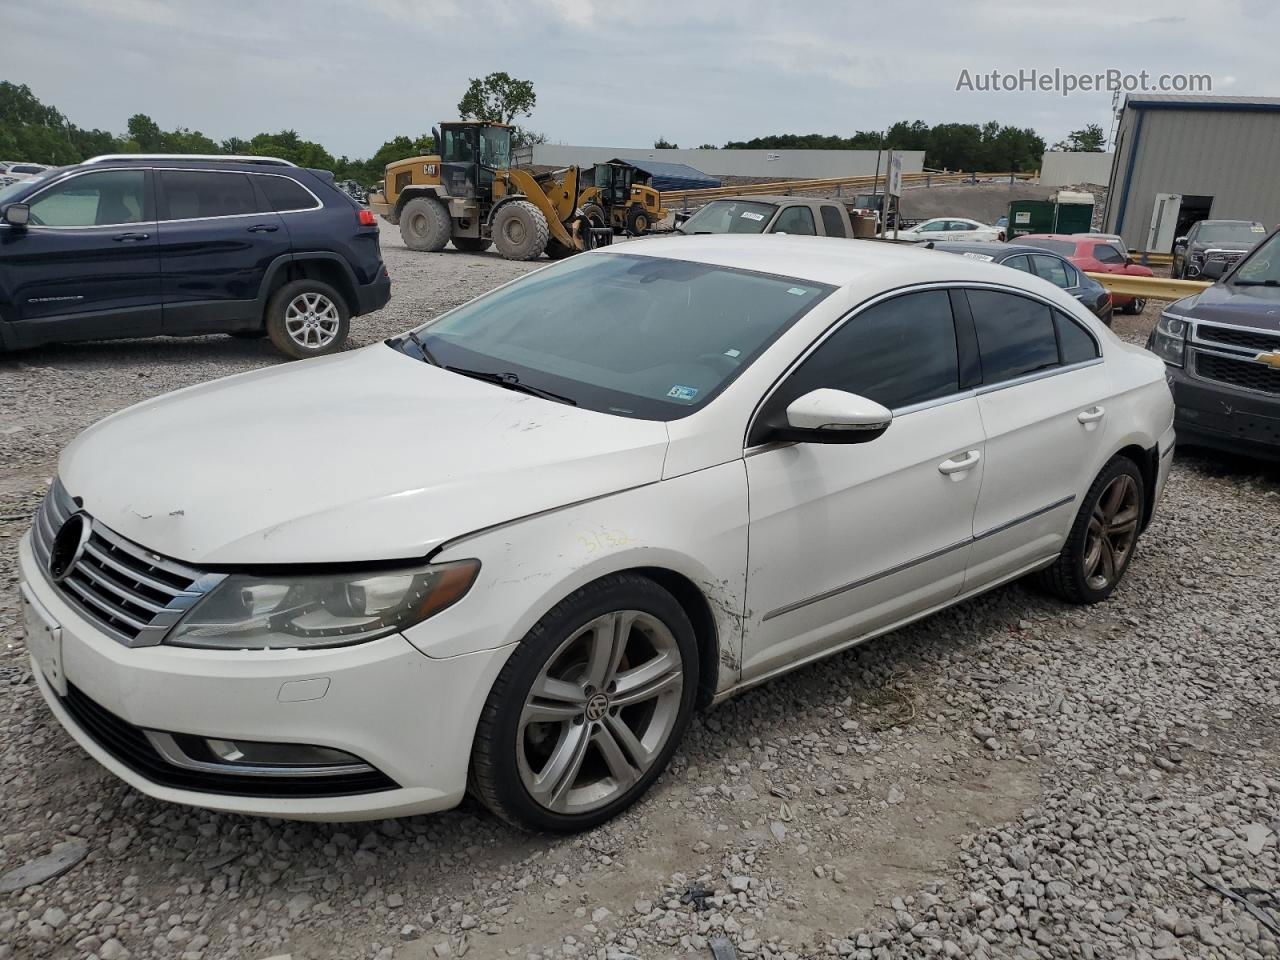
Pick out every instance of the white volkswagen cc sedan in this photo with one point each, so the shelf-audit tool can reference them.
(514, 549)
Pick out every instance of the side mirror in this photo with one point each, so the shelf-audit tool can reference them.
(17, 214)
(1180, 242)
(833, 416)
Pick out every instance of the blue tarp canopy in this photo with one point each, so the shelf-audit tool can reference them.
(671, 176)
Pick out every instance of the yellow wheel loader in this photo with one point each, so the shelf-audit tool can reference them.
(472, 196)
(620, 198)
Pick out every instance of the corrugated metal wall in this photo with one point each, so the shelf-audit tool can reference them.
(1228, 155)
(782, 164)
(1065, 169)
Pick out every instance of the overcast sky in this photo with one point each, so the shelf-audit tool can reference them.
(351, 75)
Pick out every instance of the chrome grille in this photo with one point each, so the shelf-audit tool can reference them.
(1257, 340)
(133, 595)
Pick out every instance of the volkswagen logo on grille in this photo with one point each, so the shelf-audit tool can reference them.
(68, 546)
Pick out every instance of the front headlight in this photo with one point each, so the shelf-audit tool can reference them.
(1169, 339)
(320, 610)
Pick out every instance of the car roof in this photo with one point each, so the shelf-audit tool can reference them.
(991, 248)
(837, 261)
(1067, 237)
(777, 198)
(1245, 223)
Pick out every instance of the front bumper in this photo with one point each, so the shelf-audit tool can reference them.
(409, 716)
(1225, 418)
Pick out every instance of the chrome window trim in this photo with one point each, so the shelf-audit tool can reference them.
(908, 564)
(233, 216)
(857, 310)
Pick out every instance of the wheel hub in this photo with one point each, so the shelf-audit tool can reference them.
(597, 707)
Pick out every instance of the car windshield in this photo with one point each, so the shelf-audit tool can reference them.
(1262, 266)
(1230, 232)
(730, 216)
(12, 190)
(630, 335)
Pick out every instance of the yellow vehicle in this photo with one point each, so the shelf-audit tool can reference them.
(471, 195)
(620, 197)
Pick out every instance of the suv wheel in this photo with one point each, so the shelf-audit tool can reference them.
(425, 225)
(307, 318)
(1103, 537)
(589, 708)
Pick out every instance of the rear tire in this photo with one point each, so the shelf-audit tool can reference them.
(425, 225)
(520, 231)
(1103, 537)
(595, 214)
(1135, 306)
(472, 244)
(617, 664)
(307, 318)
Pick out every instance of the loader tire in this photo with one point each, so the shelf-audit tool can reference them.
(638, 221)
(595, 214)
(520, 231)
(425, 225)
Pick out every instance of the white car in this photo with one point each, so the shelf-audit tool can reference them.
(950, 228)
(24, 171)
(514, 549)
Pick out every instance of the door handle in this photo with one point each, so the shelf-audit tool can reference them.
(967, 461)
(263, 228)
(130, 237)
(1092, 415)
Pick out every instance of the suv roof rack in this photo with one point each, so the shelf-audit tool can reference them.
(224, 157)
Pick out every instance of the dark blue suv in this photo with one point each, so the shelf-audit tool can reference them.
(141, 246)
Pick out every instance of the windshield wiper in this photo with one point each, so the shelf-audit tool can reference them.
(512, 382)
(1256, 283)
(427, 355)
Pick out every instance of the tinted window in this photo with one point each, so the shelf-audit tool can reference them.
(1055, 271)
(730, 216)
(933, 226)
(1105, 253)
(190, 194)
(26, 168)
(1015, 335)
(1062, 247)
(1018, 263)
(1074, 341)
(954, 225)
(284, 193)
(93, 200)
(795, 220)
(898, 352)
(832, 222)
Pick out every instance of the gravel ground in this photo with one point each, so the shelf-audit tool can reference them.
(1012, 778)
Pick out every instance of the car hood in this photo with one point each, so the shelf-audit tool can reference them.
(1224, 303)
(363, 456)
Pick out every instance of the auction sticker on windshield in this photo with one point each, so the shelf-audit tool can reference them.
(750, 215)
(682, 393)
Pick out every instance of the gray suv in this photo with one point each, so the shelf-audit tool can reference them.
(1212, 247)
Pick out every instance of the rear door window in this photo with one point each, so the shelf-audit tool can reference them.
(1018, 263)
(1055, 271)
(285, 194)
(205, 194)
(1015, 335)
(798, 220)
(832, 222)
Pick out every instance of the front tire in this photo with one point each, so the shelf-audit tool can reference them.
(1103, 537)
(638, 221)
(520, 231)
(307, 318)
(425, 225)
(587, 712)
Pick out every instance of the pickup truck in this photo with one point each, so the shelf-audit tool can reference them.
(814, 216)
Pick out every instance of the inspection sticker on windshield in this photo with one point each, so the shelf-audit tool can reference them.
(749, 215)
(682, 393)
(797, 291)
(979, 256)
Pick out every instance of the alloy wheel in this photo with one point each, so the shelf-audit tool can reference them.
(312, 320)
(1113, 528)
(600, 712)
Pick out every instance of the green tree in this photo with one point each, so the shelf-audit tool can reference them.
(662, 143)
(1088, 139)
(498, 98)
(145, 132)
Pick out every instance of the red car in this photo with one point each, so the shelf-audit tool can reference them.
(1094, 255)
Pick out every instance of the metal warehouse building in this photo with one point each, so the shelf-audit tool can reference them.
(1180, 159)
